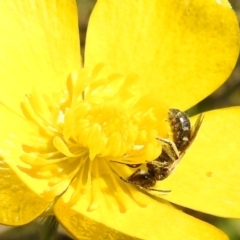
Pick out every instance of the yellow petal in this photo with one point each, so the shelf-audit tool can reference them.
(18, 204)
(186, 49)
(39, 44)
(159, 220)
(207, 179)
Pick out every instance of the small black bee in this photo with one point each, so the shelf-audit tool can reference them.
(172, 152)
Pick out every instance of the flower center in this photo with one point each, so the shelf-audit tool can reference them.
(90, 131)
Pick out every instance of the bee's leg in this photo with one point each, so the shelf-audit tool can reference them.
(170, 148)
(129, 165)
(134, 165)
(159, 190)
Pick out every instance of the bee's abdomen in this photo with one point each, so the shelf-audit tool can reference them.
(181, 128)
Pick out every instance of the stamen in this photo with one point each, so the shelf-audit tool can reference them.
(77, 185)
(86, 130)
(119, 194)
(95, 195)
(30, 114)
(61, 147)
(39, 105)
(38, 161)
(95, 191)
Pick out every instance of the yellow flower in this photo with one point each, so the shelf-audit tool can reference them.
(64, 125)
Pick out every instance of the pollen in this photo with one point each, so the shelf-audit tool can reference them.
(89, 132)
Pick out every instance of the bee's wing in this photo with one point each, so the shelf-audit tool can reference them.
(196, 127)
(194, 131)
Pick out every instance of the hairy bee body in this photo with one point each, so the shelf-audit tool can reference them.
(172, 152)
